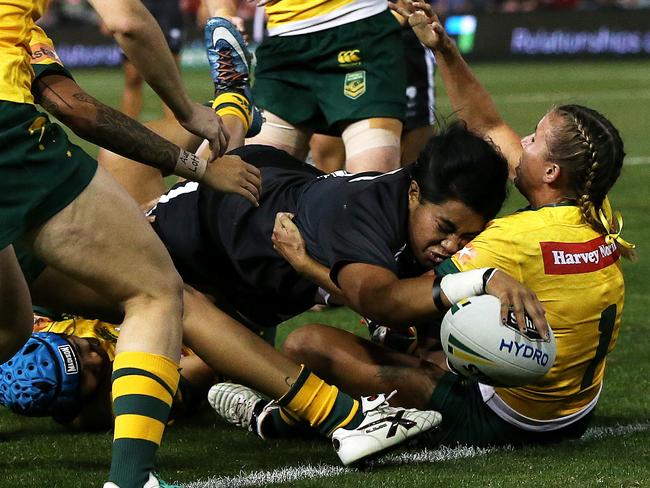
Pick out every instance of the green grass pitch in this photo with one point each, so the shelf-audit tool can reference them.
(38, 453)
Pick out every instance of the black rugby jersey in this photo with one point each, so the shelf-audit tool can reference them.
(222, 245)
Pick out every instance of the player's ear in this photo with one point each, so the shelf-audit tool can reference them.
(552, 173)
(414, 192)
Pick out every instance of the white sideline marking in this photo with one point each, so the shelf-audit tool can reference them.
(321, 471)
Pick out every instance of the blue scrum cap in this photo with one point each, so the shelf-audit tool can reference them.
(43, 378)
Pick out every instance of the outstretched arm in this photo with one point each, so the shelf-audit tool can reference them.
(466, 93)
(102, 125)
(377, 293)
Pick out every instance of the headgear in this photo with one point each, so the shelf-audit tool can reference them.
(43, 378)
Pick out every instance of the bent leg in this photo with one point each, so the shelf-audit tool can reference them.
(16, 317)
(283, 135)
(103, 240)
(235, 352)
(361, 367)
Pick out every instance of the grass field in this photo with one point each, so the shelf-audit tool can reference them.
(204, 452)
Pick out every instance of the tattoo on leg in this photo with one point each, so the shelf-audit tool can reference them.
(390, 374)
(289, 382)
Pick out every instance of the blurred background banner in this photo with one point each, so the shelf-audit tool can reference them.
(552, 34)
(484, 30)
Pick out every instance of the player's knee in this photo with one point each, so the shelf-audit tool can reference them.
(282, 135)
(303, 343)
(372, 145)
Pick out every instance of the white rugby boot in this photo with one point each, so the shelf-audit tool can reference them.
(383, 428)
(241, 406)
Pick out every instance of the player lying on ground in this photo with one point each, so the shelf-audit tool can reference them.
(74, 388)
(565, 169)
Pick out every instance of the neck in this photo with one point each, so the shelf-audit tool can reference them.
(547, 196)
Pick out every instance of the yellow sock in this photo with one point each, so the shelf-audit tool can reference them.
(321, 404)
(232, 103)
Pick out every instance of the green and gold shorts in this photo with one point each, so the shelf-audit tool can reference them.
(468, 421)
(41, 171)
(346, 73)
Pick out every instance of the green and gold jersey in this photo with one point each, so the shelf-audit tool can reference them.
(104, 332)
(578, 278)
(17, 27)
(293, 17)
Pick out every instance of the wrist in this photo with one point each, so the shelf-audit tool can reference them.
(455, 287)
(190, 166)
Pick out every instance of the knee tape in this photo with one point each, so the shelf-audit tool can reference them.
(371, 134)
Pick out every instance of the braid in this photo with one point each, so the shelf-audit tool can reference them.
(589, 148)
(585, 200)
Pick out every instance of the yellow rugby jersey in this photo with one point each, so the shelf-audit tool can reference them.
(104, 332)
(17, 25)
(578, 278)
(293, 17)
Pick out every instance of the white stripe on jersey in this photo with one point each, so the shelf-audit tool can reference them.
(188, 187)
(367, 178)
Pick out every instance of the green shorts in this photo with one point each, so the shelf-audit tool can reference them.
(41, 171)
(467, 420)
(350, 72)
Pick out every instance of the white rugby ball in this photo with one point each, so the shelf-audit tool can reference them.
(480, 347)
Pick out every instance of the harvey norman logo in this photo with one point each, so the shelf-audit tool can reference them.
(578, 257)
(69, 359)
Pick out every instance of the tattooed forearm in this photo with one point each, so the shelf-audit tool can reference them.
(121, 134)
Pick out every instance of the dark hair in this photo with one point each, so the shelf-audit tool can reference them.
(457, 164)
(589, 148)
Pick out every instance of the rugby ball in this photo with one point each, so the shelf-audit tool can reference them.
(480, 347)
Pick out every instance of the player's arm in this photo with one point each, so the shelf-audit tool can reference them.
(467, 95)
(139, 35)
(100, 124)
(377, 293)
(288, 242)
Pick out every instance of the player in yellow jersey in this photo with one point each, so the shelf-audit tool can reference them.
(53, 195)
(74, 388)
(332, 67)
(565, 247)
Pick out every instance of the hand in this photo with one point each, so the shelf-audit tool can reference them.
(287, 240)
(516, 296)
(231, 174)
(205, 123)
(424, 22)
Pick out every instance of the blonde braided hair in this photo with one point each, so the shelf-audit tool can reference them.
(587, 146)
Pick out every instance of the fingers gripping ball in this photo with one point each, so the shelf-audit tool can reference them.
(43, 378)
(480, 347)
